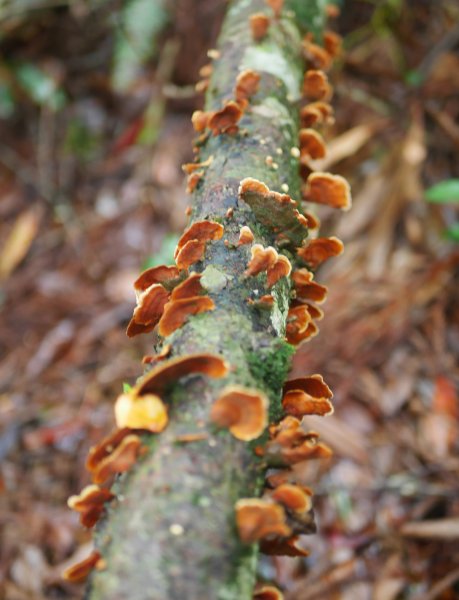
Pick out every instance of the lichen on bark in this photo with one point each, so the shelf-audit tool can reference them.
(170, 534)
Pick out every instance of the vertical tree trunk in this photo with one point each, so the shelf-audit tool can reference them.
(171, 534)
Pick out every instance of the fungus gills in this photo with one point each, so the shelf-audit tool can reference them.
(190, 500)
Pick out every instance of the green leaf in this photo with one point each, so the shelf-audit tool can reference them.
(40, 86)
(141, 21)
(445, 192)
(452, 233)
(165, 255)
(127, 387)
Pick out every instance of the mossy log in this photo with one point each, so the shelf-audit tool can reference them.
(170, 534)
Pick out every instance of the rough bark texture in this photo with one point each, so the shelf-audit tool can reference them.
(195, 485)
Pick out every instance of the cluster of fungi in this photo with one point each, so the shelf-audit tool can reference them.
(168, 296)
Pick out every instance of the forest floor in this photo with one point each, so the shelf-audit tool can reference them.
(91, 190)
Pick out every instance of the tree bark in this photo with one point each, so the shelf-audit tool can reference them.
(170, 534)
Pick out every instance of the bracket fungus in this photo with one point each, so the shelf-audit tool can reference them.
(267, 592)
(331, 190)
(332, 43)
(312, 144)
(283, 547)
(275, 210)
(257, 519)
(317, 56)
(293, 497)
(191, 286)
(192, 244)
(261, 260)
(167, 372)
(146, 412)
(242, 410)
(245, 236)
(319, 250)
(225, 120)
(316, 85)
(167, 276)
(90, 503)
(119, 460)
(300, 404)
(259, 25)
(306, 288)
(177, 312)
(281, 268)
(81, 570)
(247, 83)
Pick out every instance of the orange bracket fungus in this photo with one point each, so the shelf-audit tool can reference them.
(225, 120)
(259, 24)
(90, 503)
(243, 411)
(312, 144)
(275, 210)
(257, 519)
(331, 190)
(81, 571)
(119, 460)
(316, 86)
(267, 592)
(319, 250)
(209, 438)
(247, 84)
(166, 373)
(145, 412)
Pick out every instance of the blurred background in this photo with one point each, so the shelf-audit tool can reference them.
(95, 105)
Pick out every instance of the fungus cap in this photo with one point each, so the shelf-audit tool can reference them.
(312, 144)
(162, 274)
(257, 519)
(293, 497)
(199, 120)
(314, 385)
(245, 236)
(306, 288)
(191, 286)
(298, 319)
(317, 56)
(120, 460)
(297, 337)
(191, 252)
(243, 411)
(328, 189)
(247, 83)
(261, 259)
(167, 372)
(319, 250)
(190, 168)
(259, 24)
(225, 119)
(91, 495)
(281, 268)
(193, 180)
(300, 404)
(146, 412)
(316, 85)
(177, 312)
(81, 570)
(150, 305)
(202, 231)
(332, 43)
(105, 447)
(282, 547)
(267, 592)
